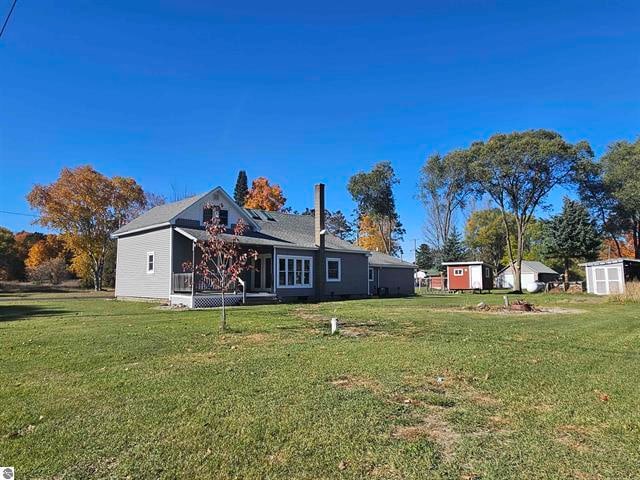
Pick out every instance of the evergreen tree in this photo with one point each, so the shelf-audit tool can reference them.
(453, 249)
(571, 235)
(425, 257)
(241, 190)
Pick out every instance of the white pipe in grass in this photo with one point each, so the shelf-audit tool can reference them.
(334, 326)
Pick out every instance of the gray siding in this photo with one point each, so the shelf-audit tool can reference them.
(398, 281)
(354, 275)
(132, 279)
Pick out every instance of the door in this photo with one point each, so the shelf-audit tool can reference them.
(476, 277)
(607, 280)
(262, 273)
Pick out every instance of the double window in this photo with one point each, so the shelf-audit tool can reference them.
(334, 269)
(294, 272)
(151, 260)
(207, 215)
(458, 272)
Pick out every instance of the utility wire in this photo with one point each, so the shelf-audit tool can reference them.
(18, 213)
(6, 20)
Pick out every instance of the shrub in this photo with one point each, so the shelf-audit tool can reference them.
(52, 271)
(631, 294)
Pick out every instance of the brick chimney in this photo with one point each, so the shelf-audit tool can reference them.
(318, 205)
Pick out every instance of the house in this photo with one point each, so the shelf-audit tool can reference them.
(605, 277)
(297, 258)
(390, 276)
(472, 275)
(531, 272)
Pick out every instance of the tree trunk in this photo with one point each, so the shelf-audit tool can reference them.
(566, 274)
(223, 319)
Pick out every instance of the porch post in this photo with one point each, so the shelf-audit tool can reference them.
(193, 268)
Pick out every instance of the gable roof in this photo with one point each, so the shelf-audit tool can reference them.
(377, 259)
(281, 230)
(533, 266)
(167, 213)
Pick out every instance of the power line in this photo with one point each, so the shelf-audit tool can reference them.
(6, 20)
(18, 213)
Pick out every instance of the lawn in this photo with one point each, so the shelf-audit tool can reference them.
(412, 388)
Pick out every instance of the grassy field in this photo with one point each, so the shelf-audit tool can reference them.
(412, 388)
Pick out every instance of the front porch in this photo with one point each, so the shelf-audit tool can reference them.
(255, 285)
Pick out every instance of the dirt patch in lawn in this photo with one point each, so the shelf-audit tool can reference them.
(575, 437)
(499, 310)
(434, 428)
(351, 382)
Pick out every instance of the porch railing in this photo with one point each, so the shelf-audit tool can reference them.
(183, 283)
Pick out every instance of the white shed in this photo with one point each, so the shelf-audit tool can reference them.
(606, 277)
(531, 272)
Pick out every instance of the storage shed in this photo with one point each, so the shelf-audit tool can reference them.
(606, 277)
(531, 272)
(474, 275)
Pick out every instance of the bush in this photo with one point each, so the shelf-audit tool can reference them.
(52, 271)
(631, 294)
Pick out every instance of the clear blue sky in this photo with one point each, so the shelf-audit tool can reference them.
(186, 93)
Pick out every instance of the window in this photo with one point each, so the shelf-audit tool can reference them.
(150, 262)
(294, 272)
(334, 269)
(371, 274)
(487, 272)
(458, 272)
(207, 215)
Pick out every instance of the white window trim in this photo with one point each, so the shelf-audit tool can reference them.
(460, 270)
(286, 259)
(339, 260)
(371, 276)
(151, 254)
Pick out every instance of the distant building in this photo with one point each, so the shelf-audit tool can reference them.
(531, 272)
(605, 277)
(473, 275)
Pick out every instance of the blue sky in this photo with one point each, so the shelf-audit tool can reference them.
(187, 93)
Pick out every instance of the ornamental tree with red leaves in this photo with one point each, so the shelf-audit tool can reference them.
(222, 261)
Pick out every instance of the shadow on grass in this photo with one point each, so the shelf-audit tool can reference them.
(9, 313)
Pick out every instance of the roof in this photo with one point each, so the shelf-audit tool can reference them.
(378, 259)
(610, 262)
(533, 266)
(282, 230)
(160, 215)
(167, 213)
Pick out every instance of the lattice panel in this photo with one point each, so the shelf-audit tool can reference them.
(212, 301)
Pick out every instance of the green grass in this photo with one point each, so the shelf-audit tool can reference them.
(414, 388)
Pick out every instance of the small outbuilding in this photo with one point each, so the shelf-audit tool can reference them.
(605, 277)
(473, 275)
(531, 272)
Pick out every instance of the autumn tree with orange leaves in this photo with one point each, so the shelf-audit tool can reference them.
(264, 196)
(86, 207)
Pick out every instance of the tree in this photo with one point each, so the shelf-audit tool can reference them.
(453, 249)
(241, 189)
(373, 194)
(8, 253)
(571, 235)
(52, 270)
(485, 237)
(369, 236)
(222, 260)
(336, 223)
(517, 171)
(444, 189)
(623, 247)
(50, 247)
(426, 257)
(264, 196)
(86, 207)
(24, 241)
(611, 189)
